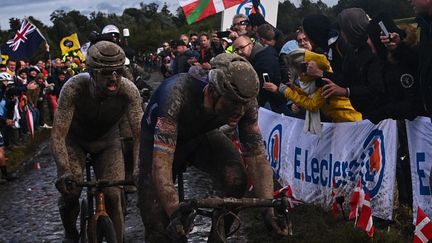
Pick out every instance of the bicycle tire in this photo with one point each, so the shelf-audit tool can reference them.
(83, 221)
(105, 230)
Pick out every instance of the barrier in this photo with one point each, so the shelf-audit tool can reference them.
(345, 153)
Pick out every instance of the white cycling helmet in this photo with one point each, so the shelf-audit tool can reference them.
(110, 29)
(5, 76)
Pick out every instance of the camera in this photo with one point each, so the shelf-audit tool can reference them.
(222, 34)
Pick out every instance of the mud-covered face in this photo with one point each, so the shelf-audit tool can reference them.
(229, 110)
(108, 79)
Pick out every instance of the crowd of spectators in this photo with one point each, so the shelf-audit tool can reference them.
(333, 72)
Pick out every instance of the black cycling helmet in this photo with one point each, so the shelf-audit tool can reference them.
(234, 77)
(105, 54)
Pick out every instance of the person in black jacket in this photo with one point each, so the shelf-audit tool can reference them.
(402, 99)
(365, 85)
(264, 60)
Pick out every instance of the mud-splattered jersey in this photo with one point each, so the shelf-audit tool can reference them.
(178, 101)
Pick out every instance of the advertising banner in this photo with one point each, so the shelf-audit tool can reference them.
(419, 134)
(345, 154)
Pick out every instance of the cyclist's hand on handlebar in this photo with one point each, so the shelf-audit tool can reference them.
(181, 223)
(66, 183)
(274, 224)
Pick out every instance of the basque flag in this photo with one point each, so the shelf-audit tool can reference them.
(25, 42)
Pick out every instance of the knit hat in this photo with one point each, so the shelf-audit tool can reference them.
(353, 23)
(317, 28)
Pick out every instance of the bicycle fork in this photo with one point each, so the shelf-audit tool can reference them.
(100, 211)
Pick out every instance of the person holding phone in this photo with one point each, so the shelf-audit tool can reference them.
(265, 60)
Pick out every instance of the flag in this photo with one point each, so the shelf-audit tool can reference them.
(287, 191)
(4, 59)
(365, 221)
(84, 49)
(25, 42)
(196, 10)
(69, 43)
(335, 206)
(355, 201)
(423, 229)
(360, 202)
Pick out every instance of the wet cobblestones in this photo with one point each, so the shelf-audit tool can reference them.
(29, 212)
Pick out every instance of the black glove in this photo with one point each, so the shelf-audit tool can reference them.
(181, 223)
(66, 183)
(275, 224)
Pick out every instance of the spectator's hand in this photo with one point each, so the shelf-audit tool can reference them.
(332, 89)
(275, 224)
(206, 66)
(313, 70)
(47, 47)
(295, 108)
(66, 183)
(192, 61)
(181, 223)
(10, 122)
(392, 42)
(234, 35)
(271, 87)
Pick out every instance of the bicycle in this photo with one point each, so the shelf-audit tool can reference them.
(283, 201)
(95, 223)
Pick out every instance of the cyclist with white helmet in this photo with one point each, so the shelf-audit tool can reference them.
(179, 128)
(111, 33)
(87, 121)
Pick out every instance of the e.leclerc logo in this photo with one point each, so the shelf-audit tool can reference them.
(273, 147)
(247, 8)
(370, 166)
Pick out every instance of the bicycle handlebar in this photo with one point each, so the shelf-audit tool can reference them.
(104, 183)
(217, 202)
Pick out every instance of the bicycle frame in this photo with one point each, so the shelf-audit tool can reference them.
(96, 194)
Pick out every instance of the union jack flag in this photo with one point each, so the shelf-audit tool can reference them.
(25, 42)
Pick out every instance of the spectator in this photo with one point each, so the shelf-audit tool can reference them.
(185, 39)
(6, 79)
(424, 20)
(216, 44)
(182, 57)
(239, 24)
(266, 35)
(264, 60)
(206, 52)
(366, 87)
(309, 95)
(302, 40)
(11, 67)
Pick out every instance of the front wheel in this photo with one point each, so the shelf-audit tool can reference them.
(105, 230)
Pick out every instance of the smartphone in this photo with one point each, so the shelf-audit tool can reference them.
(266, 77)
(384, 29)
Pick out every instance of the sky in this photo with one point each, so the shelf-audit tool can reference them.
(42, 9)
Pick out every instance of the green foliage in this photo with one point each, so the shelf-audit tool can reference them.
(151, 24)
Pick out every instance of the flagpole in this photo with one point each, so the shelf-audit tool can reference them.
(37, 29)
(46, 43)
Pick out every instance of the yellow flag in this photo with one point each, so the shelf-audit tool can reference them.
(4, 59)
(69, 43)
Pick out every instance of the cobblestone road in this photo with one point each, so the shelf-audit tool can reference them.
(29, 212)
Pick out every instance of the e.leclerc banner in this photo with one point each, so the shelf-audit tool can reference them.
(345, 152)
(419, 134)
